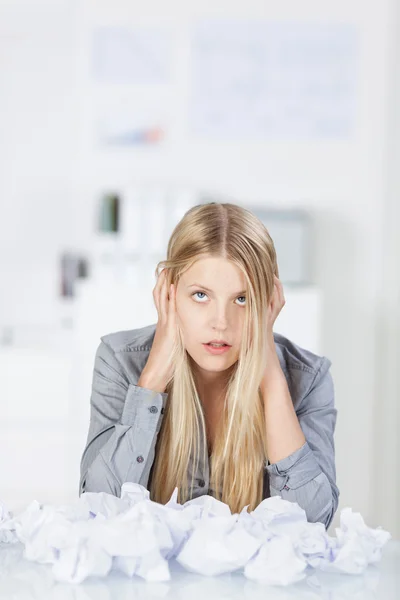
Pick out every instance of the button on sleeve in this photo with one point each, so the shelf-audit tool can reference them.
(144, 407)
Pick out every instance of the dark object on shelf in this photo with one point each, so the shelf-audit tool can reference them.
(110, 213)
(72, 268)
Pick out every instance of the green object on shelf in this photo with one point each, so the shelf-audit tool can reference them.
(109, 213)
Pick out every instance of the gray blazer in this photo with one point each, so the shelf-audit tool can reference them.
(125, 420)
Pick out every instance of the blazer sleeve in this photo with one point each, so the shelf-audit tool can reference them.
(308, 475)
(124, 423)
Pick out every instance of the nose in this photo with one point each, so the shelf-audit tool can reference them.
(219, 318)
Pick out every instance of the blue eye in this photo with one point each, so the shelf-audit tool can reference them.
(204, 294)
(199, 293)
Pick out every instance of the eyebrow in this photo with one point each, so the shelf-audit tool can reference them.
(208, 289)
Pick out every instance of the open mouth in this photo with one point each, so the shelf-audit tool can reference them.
(216, 348)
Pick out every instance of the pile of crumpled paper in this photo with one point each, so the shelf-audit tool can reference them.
(274, 544)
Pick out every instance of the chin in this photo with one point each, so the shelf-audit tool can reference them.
(215, 364)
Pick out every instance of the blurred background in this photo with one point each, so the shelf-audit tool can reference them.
(115, 118)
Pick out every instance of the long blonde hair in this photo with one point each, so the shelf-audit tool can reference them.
(237, 462)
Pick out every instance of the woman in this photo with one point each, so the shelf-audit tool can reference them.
(251, 419)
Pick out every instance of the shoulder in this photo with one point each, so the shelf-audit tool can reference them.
(130, 340)
(127, 351)
(305, 371)
(293, 356)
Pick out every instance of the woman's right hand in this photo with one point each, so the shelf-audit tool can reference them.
(158, 369)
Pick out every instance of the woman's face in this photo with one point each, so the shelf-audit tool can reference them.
(210, 304)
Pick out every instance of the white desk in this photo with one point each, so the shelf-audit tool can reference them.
(24, 580)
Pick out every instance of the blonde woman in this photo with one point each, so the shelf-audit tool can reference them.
(171, 407)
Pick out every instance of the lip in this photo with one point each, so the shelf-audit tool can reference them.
(216, 350)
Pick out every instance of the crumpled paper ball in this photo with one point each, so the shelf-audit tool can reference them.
(273, 544)
(7, 533)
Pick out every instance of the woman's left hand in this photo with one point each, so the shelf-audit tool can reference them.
(275, 306)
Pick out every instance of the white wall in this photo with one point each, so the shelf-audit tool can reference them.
(386, 486)
(37, 148)
(344, 182)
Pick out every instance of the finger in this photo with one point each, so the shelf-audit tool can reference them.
(164, 299)
(172, 302)
(157, 291)
(275, 295)
(270, 315)
(281, 294)
(273, 291)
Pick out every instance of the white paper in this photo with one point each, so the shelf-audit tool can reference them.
(140, 55)
(7, 534)
(274, 544)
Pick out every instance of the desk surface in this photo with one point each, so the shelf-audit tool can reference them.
(21, 579)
